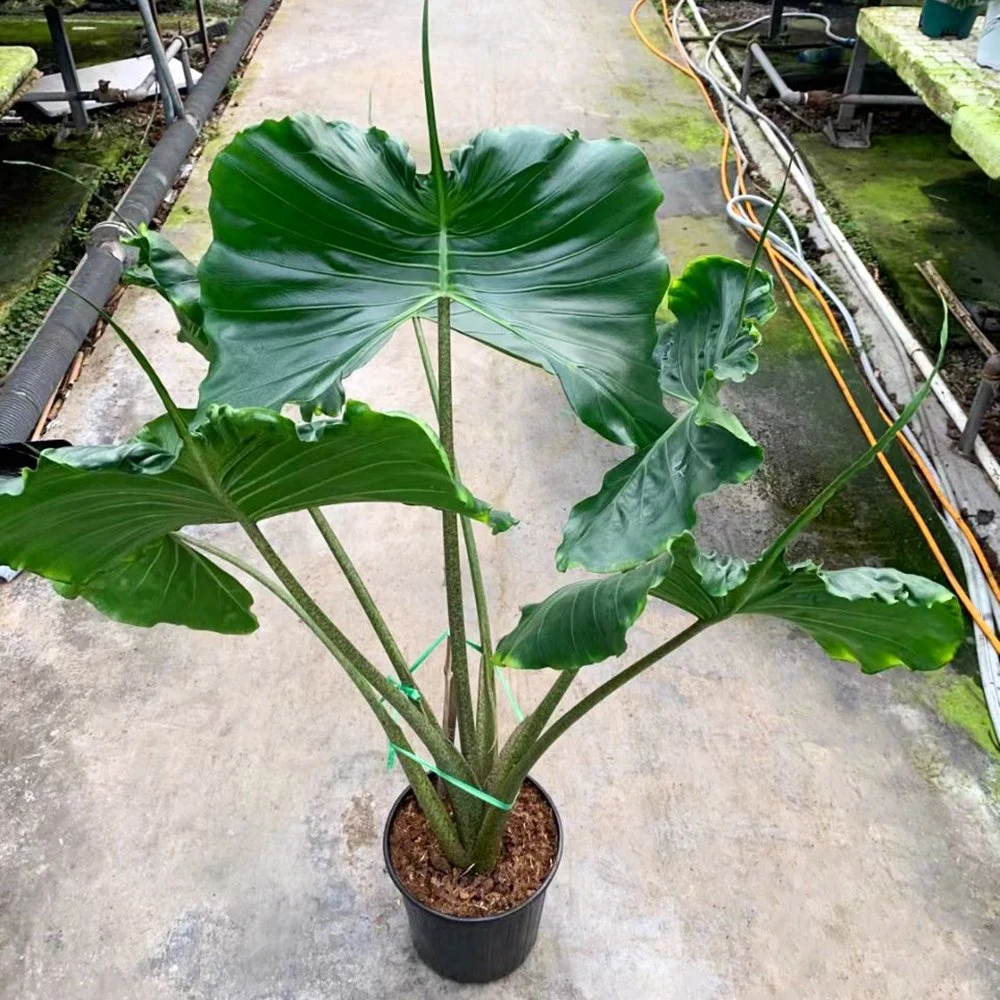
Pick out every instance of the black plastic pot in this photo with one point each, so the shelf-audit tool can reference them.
(473, 949)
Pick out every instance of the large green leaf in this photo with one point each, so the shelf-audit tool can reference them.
(878, 618)
(92, 518)
(649, 499)
(162, 267)
(326, 239)
(168, 581)
(581, 623)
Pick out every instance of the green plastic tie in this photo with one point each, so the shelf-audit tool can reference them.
(411, 692)
(414, 695)
(390, 760)
(452, 780)
(505, 684)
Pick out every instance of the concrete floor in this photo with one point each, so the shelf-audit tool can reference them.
(198, 817)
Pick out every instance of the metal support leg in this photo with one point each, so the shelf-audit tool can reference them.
(67, 66)
(984, 397)
(747, 73)
(203, 29)
(853, 84)
(845, 131)
(172, 106)
(774, 26)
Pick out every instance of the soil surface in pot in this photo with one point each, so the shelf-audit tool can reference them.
(530, 845)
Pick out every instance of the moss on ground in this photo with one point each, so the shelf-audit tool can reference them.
(959, 700)
(909, 199)
(687, 126)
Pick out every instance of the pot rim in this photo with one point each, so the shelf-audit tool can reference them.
(397, 882)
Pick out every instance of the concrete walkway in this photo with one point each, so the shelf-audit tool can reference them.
(190, 816)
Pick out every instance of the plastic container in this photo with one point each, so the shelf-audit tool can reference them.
(941, 20)
(988, 53)
(473, 949)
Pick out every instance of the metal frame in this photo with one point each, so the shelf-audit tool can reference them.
(67, 66)
(173, 106)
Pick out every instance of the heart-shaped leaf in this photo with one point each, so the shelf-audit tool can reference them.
(167, 581)
(878, 618)
(93, 518)
(326, 239)
(648, 500)
(707, 337)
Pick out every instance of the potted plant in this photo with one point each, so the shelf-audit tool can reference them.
(948, 18)
(544, 246)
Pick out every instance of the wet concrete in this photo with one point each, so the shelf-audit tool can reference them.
(191, 816)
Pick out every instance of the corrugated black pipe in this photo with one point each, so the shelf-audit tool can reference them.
(31, 382)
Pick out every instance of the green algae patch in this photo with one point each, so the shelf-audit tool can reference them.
(47, 216)
(94, 39)
(911, 200)
(689, 127)
(960, 702)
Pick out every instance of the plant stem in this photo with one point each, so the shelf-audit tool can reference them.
(425, 360)
(502, 778)
(488, 842)
(437, 816)
(486, 714)
(441, 824)
(452, 556)
(531, 728)
(444, 752)
(368, 604)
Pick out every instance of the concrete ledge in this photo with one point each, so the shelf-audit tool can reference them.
(944, 72)
(16, 65)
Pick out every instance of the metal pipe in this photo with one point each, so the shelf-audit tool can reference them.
(144, 89)
(186, 66)
(785, 93)
(985, 394)
(886, 99)
(173, 107)
(792, 97)
(39, 371)
(112, 95)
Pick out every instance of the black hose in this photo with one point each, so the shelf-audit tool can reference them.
(37, 374)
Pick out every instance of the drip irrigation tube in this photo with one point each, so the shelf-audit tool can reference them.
(39, 371)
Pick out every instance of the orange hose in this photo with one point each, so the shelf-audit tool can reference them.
(781, 265)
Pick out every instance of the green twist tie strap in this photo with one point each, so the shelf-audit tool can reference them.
(504, 683)
(414, 695)
(452, 780)
(411, 692)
